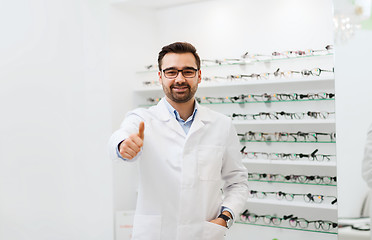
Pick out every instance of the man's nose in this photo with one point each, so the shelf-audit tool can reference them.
(180, 78)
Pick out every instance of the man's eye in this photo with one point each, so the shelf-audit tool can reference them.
(171, 72)
(188, 72)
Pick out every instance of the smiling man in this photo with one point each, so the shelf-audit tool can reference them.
(188, 156)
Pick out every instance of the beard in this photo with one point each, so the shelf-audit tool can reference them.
(180, 97)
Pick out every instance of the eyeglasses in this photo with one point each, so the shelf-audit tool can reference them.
(253, 75)
(277, 73)
(279, 115)
(265, 97)
(153, 100)
(318, 224)
(151, 66)
(261, 57)
(308, 198)
(327, 49)
(300, 96)
(255, 136)
(287, 156)
(305, 72)
(314, 96)
(172, 73)
(315, 72)
(293, 221)
(220, 62)
(151, 83)
(288, 54)
(287, 137)
(267, 219)
(291, 178)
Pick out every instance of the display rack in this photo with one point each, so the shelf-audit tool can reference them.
(296, 84)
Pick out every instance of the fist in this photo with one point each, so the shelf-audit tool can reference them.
(131, 146)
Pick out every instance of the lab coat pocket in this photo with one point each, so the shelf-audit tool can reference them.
(146, 227)
(213, 231)
(209, 162)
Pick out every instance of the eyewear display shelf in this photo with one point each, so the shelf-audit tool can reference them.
(269, 140)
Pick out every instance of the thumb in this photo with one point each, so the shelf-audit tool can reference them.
(141, 130)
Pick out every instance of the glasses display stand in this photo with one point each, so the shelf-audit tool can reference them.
(310, 141)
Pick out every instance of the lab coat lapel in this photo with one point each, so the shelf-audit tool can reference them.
(201, 118)
(169, 120)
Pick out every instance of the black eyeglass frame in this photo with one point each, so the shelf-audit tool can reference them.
(180, 70)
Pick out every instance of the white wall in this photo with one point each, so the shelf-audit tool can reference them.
(55, 177)
(131, 43)
(354, 115)
(218, 29)
(230, 28)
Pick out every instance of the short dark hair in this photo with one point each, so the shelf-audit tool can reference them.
(178, 47)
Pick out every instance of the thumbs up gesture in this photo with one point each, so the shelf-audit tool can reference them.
(131, 146)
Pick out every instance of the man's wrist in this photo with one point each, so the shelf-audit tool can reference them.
(226, 217)
(227, 213)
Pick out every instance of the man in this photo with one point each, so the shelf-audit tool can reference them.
(186, 154)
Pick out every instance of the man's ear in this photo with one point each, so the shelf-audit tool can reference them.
(160, 80)
(199, 76)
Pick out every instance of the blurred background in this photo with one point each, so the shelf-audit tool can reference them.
(67, 75)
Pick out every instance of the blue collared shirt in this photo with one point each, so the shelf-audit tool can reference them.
(186, 125)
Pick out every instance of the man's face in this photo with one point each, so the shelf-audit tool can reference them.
(179, 89)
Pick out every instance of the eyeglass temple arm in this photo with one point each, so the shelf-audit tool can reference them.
(313, 153)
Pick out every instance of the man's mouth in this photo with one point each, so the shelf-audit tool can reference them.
(180, 88)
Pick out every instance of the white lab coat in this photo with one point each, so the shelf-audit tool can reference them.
(181, 175)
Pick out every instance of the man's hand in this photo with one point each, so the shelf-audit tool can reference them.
(220, 221)
(131, 146)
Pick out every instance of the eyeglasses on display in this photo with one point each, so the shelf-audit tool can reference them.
(265, 97)
(248, 57)
(293, 221)
(287, 137)
(287, 156)
(271, 177)
(281, 115)
(308, 198)
(289, 54)
(267, 75)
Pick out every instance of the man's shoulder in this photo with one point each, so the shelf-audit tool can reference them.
(141, 112)
(214, 115)
(146, 113)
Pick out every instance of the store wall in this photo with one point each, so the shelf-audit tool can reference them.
(354, 99)
(230, 28)
(55, 177)
(132, 32)
(219, 29)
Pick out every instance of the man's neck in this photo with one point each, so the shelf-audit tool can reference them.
(185, 109)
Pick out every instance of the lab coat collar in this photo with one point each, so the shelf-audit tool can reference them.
(164, 114)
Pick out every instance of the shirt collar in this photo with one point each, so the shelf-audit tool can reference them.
(174, 112)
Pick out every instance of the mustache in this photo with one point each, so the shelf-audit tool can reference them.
(180, 85)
